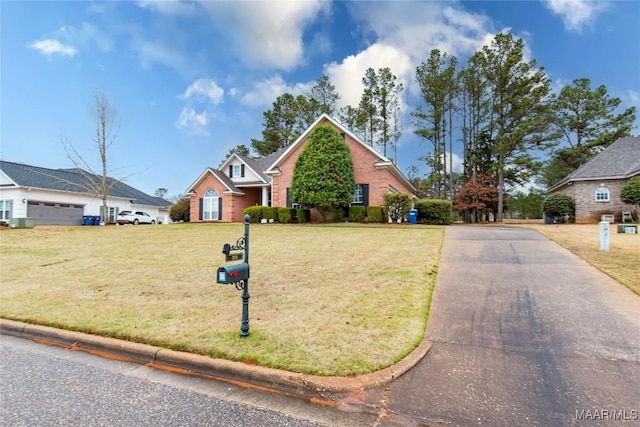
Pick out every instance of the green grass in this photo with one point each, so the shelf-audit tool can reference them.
(327, 300)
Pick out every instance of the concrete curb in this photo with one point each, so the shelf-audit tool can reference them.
(288, 382)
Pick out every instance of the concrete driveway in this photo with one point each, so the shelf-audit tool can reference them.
(524, 333)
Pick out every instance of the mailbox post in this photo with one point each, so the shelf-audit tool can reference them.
(238, 274)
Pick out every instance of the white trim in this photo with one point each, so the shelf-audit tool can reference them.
(225, 165)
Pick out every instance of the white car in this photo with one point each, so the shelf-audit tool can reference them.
(135, 218)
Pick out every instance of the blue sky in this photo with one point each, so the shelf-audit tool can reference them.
(190, 80)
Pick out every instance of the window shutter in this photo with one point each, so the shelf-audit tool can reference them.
(365, 194)
(200, 210)
(219, 208)
(230, 171)
(241, 171)
(288, 197)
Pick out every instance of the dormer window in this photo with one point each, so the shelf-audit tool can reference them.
(602, 194)
(236, 171)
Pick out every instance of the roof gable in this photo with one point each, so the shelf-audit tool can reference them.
(324, 117)
(381, 161)
(619, 160)
(224, 179)
(73, 181)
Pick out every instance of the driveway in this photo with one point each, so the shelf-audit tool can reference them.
(524, 333)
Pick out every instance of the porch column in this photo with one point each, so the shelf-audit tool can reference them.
(265, 195)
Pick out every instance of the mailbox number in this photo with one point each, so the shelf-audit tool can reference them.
(222, 276)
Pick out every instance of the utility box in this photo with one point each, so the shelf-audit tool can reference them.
(21, 223)
(230, 274)
(628, 228)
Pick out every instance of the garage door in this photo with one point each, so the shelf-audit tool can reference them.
(55, 213)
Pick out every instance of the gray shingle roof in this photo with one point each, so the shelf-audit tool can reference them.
(225, 180)
(72, 180)
(619, 160)
(261, 164)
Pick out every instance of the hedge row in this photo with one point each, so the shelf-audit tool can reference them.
(273, 214)
(290, 215)
(433, 211)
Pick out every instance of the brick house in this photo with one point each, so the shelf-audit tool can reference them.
(596, 185)
(224, 193)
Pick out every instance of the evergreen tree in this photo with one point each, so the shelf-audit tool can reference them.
(325, 95)
(520, 114)
(368, 106)
(323, 176)
(586, 123)
(285, 122)
(436, 78)
(387, 98)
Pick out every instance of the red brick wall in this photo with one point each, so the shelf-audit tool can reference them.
(364, 169)
(230, 203)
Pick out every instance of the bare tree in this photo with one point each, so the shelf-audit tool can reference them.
(97, 182)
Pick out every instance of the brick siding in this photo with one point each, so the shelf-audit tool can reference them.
(364, 168)
(588, 210)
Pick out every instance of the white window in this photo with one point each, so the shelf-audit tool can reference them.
(5, 209)
(358, 195)
(602, 194)
(237, 171)
(210, 203)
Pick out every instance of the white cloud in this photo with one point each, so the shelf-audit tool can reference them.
(203, 93)
(202, 90)
(265, 92)
(403, 38)
(194, 123)
(576, 13)
(51, 47)
(347, 75)
(267, 34)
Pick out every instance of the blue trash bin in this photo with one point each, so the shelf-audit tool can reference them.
(96, 220)
(413, 216)
(87, 220)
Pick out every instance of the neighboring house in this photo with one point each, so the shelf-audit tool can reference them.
(223, 194)
(596, 185)
(60, 197)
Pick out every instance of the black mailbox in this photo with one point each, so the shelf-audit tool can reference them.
(230, 274)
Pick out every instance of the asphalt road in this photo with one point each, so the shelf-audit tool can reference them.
(43, 385)
(524, 334)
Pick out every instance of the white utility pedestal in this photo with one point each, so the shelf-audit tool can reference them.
(604, 236)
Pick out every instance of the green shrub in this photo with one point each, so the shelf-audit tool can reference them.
(338, 215)
(180, 210)
(434, 211)
(559, 205)
(254, 212)
(375, 213)
(286, 215)
(303, 215)
(397, 205)
(356, 213)
(269, 213)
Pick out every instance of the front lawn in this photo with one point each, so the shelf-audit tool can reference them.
(327, 300)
